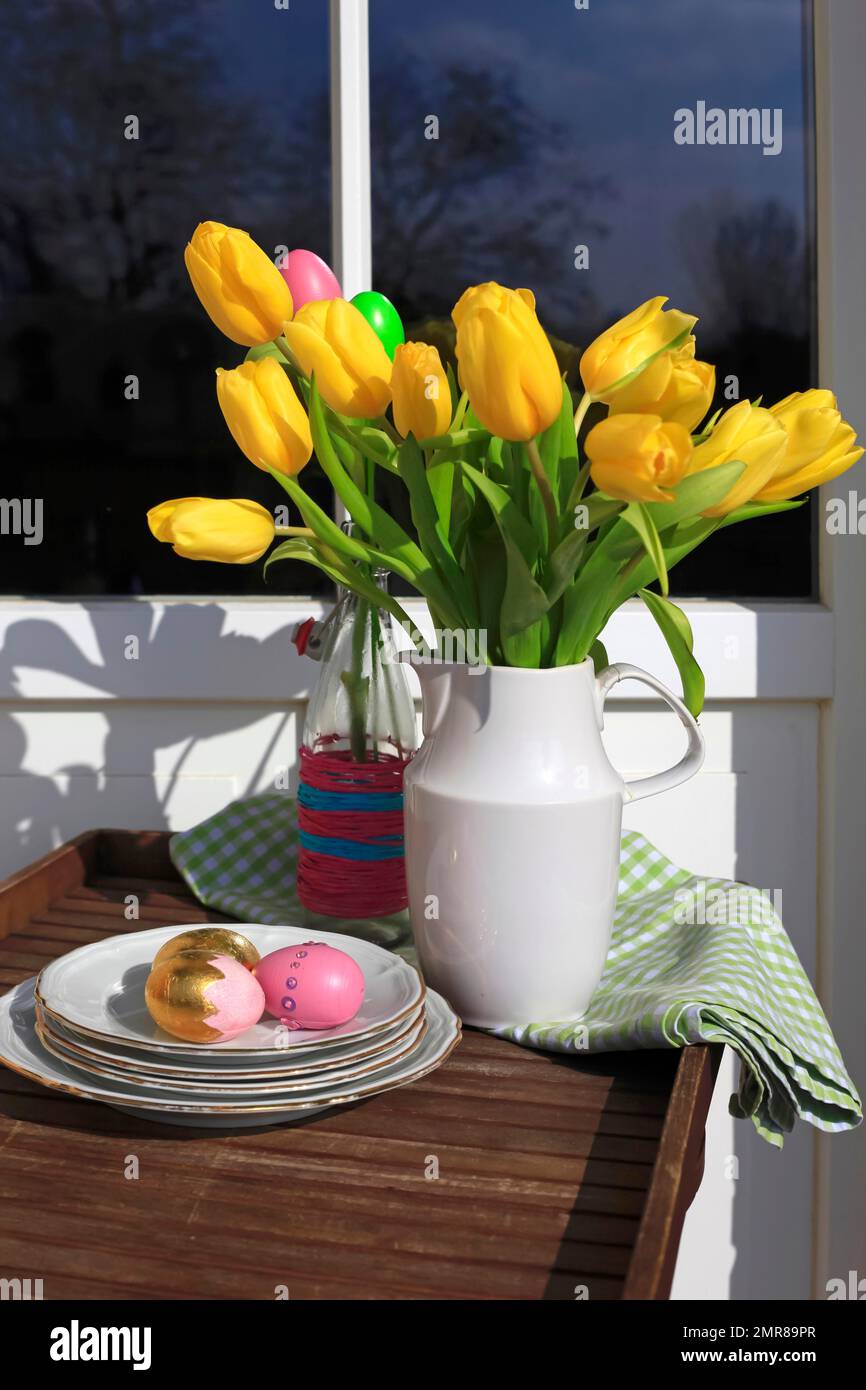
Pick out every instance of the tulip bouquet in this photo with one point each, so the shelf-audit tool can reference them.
(515, 531)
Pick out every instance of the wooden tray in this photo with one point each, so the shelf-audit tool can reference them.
(557, 1178)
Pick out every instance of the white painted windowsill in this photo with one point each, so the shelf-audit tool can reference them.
(216, 650)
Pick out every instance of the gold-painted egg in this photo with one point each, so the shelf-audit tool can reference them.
(220, 939)
(203, 996)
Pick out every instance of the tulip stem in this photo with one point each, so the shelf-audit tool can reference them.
(389, 429)
(546, 491)
(577, 490)
(583, 406)
(460, 411)
(293, 531)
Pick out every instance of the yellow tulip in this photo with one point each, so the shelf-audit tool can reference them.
(422, 396)
(230, 530)
(331, 338)
(630, 344)
(750, 434)
(505, 361)
(239, 286)
(820, 446)
(674, 386)
(267, 421)
(638, 458)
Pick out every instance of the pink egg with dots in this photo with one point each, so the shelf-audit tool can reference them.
(309, 278)
(311, 986)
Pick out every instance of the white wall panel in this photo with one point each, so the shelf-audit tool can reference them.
(751, 813)
(64, 770)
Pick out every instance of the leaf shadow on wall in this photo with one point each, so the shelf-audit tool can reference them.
(40, 810)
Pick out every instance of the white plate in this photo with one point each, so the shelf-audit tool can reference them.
(99, 990)
(21, 1050)
(224, 1065)
(227, 1087)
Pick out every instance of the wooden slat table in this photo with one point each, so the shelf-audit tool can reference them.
(557, 1177)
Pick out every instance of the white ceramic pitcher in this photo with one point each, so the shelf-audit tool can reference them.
(513, 820)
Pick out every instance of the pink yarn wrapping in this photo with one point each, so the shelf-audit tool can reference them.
(338, 886)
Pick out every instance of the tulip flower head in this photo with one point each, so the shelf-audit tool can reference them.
(638, 458)
(820, 445)
(230, 530)
(421, 394)
(747, 433)
(506, 363)
(629, 346)
(331, 338)
(674, 386)
(239, 286)
(266, 419)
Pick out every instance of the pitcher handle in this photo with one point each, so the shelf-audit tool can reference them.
(691, 761)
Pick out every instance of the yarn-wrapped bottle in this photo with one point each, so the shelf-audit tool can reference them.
(359, 735)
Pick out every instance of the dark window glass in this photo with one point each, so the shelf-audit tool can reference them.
(231, 100)
(556, 131)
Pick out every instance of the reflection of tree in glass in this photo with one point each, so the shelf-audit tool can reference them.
(87, 210)
(751, 274)
(498, 195)
(92, 280)
(749, 266)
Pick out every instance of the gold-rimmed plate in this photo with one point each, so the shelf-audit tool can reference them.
(228, 1087)
(21, 1050)
(98, 991)
(224, 1066)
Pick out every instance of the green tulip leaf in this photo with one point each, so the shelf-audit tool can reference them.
(486, 567)
(696, 493)
(607, 579)
(440, 479)
(562, 564)
(598, 653)
(751, 511)
(677, 632)
(637, 515)
(397, 549)
(525, 648)
(678, 542)
(455, 439)
(373, 443)
(348, 575)
(524, 601)
(431, 532)
(508, 518)
(453, 388)
(261, 350)
(324, 526)
(550, 446)
(569, 465)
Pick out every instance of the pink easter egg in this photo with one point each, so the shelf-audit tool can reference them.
(309, 278)
(311, 985)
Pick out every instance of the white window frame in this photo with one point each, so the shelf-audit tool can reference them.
(840, 49)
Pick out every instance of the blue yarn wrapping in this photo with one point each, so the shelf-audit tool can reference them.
(350, 849)
(319, 800)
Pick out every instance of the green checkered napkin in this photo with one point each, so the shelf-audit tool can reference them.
(667, 982)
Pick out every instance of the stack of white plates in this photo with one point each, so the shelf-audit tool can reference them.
(82, 1027)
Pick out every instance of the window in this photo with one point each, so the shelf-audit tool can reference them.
(507, 137)
(231, 105)
(509, 141)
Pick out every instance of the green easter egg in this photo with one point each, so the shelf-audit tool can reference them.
(382, 318)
